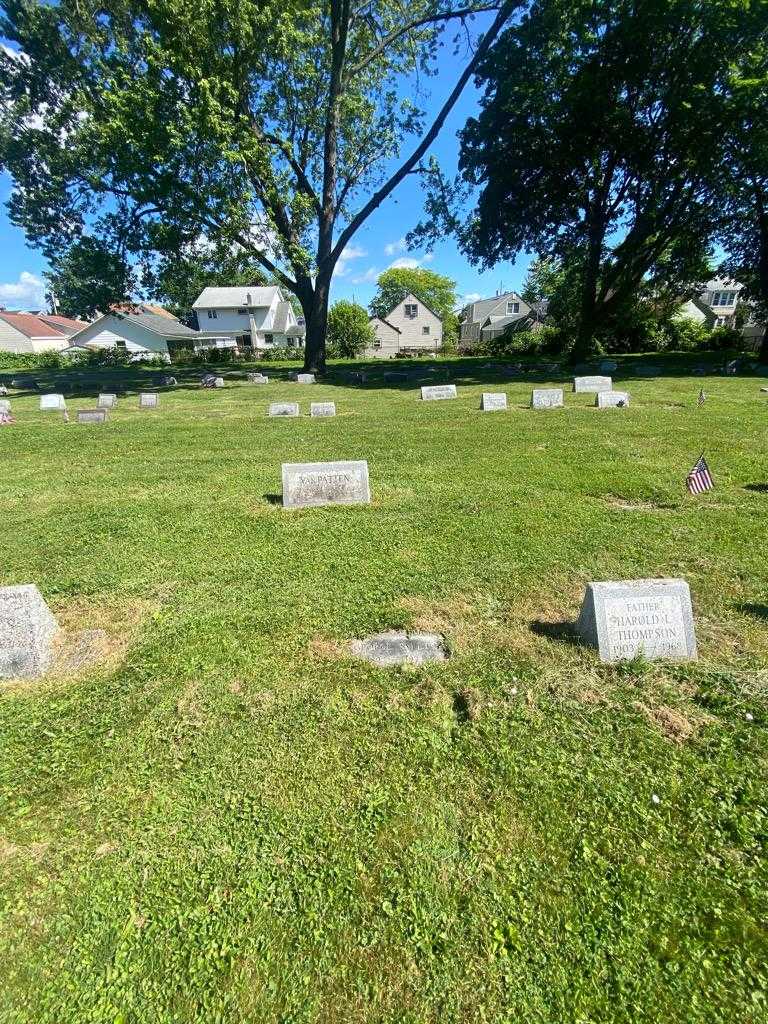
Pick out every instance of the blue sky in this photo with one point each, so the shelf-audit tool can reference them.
(377, 246)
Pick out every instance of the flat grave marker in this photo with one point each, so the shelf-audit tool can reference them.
(546, 398)
(106, 401)
(396, 648)
(148, 400)
(305, 378)
(92, 416)
(257, 378)
(493, 400)
(627, 618)
(322, 409)
(27, 629)
(52, 403)
(612, 399)
(592, 384)
(283, 409)
(310, 484)
(438, 392)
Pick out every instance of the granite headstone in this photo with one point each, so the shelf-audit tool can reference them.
(52, 403)
(612, 399)
(283, 409)
(305, 378)
(107, 401)
(92, 416)
(27, 630)
(591, 385)
(307, 484)
(438, 392)
(395, 648)
(148, 400)
(493, 400)
(546, 398)
(322, 409)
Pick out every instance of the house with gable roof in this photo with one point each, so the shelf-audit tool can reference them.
(410, 327)
(30, 333)
(251, 318)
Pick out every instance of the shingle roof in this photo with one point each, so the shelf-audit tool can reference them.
(282, 314)
(232, 298)
(32, 326)
(63, 323)
(384, 320)
(483, 307)
(162, 325)
(141, 307)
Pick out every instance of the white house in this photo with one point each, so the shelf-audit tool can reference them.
(410, 327)
(140, 335)
(256, 318)
(27, 333)
(722, 297)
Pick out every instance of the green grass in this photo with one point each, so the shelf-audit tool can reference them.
(229, 820)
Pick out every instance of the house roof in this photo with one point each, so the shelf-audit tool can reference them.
(141, 307)
(504, 321)
(483, 307)
(282, 316)
(417, 300)
(708, 312)
(232, 298)
(721, 283)
(32, 326)
(383, 320)
(167, 327)
(63, 323)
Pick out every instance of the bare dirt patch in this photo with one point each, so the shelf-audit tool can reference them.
(325, 649)
(672, 723)
(627, 505)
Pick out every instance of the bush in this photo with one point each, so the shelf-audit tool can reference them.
(544, 341)
(349, 331)
(281, 353)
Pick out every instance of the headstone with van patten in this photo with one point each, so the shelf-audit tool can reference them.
(148, 400)
(493, 400)
(322, 408)
(612, 400)
(438, 392)
(546, 398)
(27, 630)
(50, 403)
(92, 416)
(592, 385)
(107, 401)
(308, 484)
(283, 409)
(652, 618)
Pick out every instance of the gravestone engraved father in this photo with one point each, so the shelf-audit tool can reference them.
(322, 408)
(27, 629)
(591, 385)
(325, 483)
(283, 409)
(546, 398)
(652, 618)
(148, 400)
(107, 401)
(92, 416)
(438, 392)
(612, 399)
(492, 400)
(52, 402)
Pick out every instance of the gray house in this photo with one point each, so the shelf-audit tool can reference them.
(490, 318)
(410, 327)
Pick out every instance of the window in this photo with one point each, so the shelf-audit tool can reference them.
(269, 338)
(513, 307)
(377, 343)
(425, 330)
(211, 314)
(723, 298)
(411, 311)
(120, 343)
(242, 312)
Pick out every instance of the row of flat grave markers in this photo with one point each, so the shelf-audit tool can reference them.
(292, 409)
(541, 398)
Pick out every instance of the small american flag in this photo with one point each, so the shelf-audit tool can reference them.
(702, 397)
(700, 479)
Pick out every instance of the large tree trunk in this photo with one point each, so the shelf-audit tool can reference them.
(762, 220)
(316, 316)
(588, 312)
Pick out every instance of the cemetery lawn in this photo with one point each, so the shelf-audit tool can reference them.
(227, 819)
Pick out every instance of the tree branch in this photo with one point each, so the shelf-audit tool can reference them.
(378, 197)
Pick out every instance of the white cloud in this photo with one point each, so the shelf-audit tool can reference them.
(470, 297)
(369, 277)
(427, 257)
(407, 262)
(348, 253)
(394, 247)
(27, 292)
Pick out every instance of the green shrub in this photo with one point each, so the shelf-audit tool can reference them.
(281, 353)
(543, 341)
(349, 332)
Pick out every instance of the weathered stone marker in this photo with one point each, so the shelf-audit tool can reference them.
(322, 409)
(592, 384)
(546, 398)
(393, 648)
(5, 405)
(631, 617)
(325, 483)
(257, 378)
(92, 416)
(50, 403)
(148, 400)
(283, 409)
(304, 378)
(612, 399)
(218, 382)
(27, 629)
(492, 400)
(438, 392)
(107, 401)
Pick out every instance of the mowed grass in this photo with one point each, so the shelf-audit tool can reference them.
(230, 820)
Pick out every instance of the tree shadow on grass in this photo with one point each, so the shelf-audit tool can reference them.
(564, 632)
(760, 488)
(273, 499)
(760, 611)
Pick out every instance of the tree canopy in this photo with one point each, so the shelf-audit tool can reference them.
(87, 278)
(349, 331)
(265, 126)
(436, 291)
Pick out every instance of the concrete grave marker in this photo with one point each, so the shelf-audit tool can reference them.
(50, 403)
(27, 630)
(283, 409)
(394, 648)
(438, 392)
(148, 400)
(304, 378)
(592, 385)
(612, 399)
(307, 484)
(218, 382)
(257, 378)
(493, 400)
(322, 409)
(546, 398)
(107, 401)
(5, 406)
(92, 416)
(632, 617)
